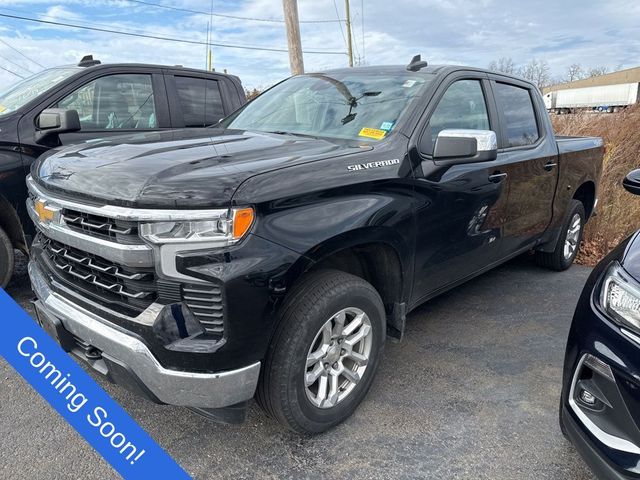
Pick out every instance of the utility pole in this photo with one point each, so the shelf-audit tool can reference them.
(349, 41)
(209, 36)
(293, 36)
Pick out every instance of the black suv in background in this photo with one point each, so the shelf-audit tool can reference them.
(93, 100)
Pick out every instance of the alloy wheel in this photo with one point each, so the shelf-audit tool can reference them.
(338, 357)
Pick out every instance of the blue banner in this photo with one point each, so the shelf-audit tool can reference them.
(79, 399)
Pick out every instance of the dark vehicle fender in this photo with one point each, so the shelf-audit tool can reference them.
(11, 224)
(265, 271)
(13, 191)
(580, 171)
(352, 212)
(370, 235)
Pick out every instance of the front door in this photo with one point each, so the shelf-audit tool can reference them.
(461, 207)
(113, 105)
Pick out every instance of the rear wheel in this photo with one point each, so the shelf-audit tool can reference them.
(6, 259)
(325, 352)
(569, 242)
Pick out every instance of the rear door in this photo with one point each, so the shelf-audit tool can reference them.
(530, 164)
(197, 100)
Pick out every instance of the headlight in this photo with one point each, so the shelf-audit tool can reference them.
(620, 297)
(227, 228)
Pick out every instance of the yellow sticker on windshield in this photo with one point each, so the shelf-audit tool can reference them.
(372, 133)
(2, 108)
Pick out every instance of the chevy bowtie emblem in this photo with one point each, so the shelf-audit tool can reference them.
(45, 214)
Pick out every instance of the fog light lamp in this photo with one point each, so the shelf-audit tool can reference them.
(588, 397)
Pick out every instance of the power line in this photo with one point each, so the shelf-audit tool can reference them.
(22, 54)
(167, 39)
(338, 15)
(84, 22)
(364, 56)
(12, 72)
(224, 15)
(14, 63)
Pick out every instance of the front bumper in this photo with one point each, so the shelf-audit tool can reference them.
(588, 450)
(128, 360)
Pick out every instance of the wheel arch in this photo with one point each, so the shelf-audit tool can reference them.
(586, 194)
(377, 255)
(11, 224)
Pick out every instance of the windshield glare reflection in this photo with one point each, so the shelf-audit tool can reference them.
(352, 105)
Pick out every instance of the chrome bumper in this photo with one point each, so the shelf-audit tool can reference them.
(189, 389)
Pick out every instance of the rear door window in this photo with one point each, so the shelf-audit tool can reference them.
(200, 100)
(519, 115)
(123, 101)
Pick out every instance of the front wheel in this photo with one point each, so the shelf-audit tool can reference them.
(569, 242)
(6, 259)
(325, 352)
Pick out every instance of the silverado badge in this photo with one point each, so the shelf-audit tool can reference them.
(369, 165)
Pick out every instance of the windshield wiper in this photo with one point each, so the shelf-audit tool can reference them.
(293, 134)
(353, 103)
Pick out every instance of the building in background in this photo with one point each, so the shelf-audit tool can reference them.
(603, 93)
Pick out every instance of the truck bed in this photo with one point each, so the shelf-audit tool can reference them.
(570, 144)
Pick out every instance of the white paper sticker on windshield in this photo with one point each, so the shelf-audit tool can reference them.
(409, 83)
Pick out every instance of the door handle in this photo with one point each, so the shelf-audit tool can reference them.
(549, 166)
(497, 177)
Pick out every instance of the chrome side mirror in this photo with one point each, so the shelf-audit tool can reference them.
(465, 146)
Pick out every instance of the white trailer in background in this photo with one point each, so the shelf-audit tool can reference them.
(606, 98)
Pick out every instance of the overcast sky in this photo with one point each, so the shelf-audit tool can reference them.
(471, 32)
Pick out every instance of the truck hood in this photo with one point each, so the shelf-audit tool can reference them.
(192, 168)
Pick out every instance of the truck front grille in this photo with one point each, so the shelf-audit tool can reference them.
(103, 227)
(207, 305)
(133, 288)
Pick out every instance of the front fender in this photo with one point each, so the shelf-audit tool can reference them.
(318, 228)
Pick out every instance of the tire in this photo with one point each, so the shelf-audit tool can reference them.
(6, 259)
(558, 260)
(283, 390)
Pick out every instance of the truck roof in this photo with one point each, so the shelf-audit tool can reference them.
(430, 70)
(199, 71)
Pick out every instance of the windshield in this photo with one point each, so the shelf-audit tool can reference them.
(29, 88)
(353, 105)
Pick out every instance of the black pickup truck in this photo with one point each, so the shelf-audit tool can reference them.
(270, 256)
(76, 103)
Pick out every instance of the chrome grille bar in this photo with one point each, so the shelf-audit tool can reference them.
(107, 227)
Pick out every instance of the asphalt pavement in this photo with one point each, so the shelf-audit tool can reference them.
(471, 393)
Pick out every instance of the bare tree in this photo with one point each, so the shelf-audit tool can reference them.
(504, 65)
(597, 71)
(536, 71)
(574, 72)
(251, 94)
